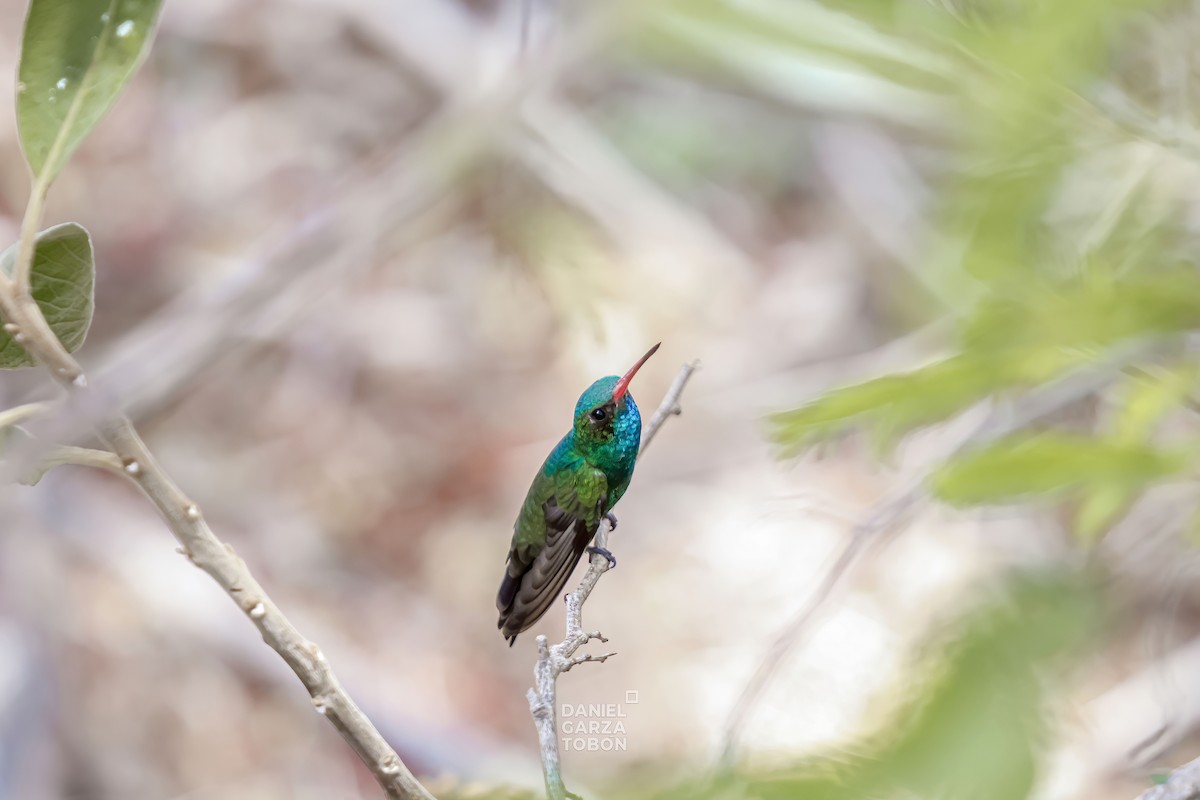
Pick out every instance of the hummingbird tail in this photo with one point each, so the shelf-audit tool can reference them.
(525, 596)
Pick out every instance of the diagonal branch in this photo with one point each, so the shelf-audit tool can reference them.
(215, 557)
(554, 660)
(669, 405)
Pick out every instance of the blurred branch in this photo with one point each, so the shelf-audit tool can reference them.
(18, 414)
(554, 660)
(1132, 724)
(80, 456)
(208, 552)
(886, 517)
(557, 143)
(1184, 784)
(890, 515)
(576, 161)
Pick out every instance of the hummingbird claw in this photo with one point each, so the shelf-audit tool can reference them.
(612, 521)
(603, 551)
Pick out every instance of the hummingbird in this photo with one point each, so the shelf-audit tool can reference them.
(581, 480)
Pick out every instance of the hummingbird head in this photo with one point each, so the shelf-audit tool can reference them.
(606, 413)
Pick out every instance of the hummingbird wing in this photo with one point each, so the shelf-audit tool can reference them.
(547, 545)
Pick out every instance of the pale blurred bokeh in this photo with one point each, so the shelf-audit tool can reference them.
(353, 342)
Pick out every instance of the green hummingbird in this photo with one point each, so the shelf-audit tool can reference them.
(579, 483)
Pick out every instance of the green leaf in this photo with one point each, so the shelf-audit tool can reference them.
(1145, 399)
(1094, 310)
(1099, 509)
(800, 52)
(895, 404)
(978, 733)
(1151, 396)
(62, 281)
(974, 715)
(1017, 468)
(76, 56)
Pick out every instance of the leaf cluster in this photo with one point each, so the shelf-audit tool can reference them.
(1057, 234)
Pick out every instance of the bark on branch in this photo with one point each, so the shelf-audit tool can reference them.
(554, 660)
(1183, 784)
(205, 550)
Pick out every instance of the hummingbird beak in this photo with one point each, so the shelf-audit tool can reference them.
(623, 385)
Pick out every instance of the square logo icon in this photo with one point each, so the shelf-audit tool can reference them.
(631, 696)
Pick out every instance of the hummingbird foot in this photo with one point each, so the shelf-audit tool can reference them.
(612, 521)
(603, 551)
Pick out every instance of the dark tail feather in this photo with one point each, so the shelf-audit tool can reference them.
(507, 593)
(504, 601)
(537, 588)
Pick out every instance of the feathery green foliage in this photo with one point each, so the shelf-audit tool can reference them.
(1060, 231)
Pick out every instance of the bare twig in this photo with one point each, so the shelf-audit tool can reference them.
(80, 456)
(18, 414)
(669, 405)
(554, 660)
(209, 553)
(896, 509)
(1184, 784)
(887, 516)
(526, 21)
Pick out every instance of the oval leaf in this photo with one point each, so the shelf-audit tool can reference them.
(62, 281)
(1099, 509)
(1014, 469)
(76, 56)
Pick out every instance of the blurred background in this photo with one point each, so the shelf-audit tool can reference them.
(357, 259)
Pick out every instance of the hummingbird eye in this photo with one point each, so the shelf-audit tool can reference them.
(599, 414)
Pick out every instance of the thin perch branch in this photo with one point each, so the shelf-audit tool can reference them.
(669, 405)
(18, 414)
(554, 660)
(79, 456)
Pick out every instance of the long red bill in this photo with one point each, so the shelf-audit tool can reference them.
(623, 385)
